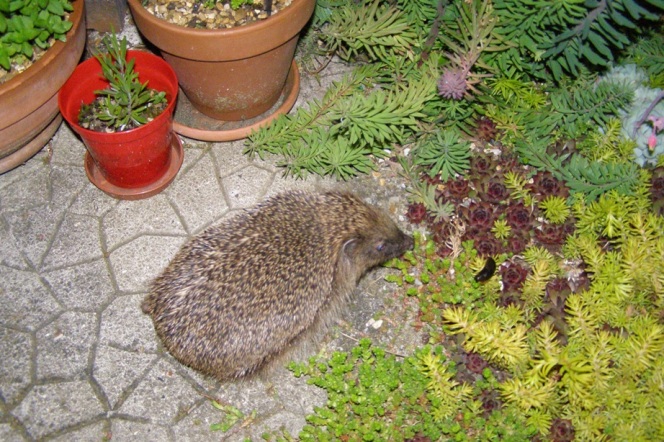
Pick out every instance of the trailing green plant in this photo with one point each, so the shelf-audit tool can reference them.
(126, 103)
(29, 24)
(373, 396)
(555, 209)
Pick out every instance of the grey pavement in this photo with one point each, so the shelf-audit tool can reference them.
(78, 359)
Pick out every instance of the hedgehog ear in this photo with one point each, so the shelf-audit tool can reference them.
(349, 246)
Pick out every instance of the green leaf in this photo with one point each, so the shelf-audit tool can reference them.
(26, 49)
(592, 57)
(55, 7)
(600, 44)
(636, 11)
(15, 5)
(4, 58)
(621, 20)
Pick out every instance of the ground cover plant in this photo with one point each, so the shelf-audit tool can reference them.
(531, 136)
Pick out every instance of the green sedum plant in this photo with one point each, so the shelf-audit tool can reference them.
(372, 396)
(598, 362)
(29, 24)
(126, 103)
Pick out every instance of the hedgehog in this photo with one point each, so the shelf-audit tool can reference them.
(241, 294)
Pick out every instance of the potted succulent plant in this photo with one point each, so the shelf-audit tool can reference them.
(47, 36)
(121, 104)
(229, 74)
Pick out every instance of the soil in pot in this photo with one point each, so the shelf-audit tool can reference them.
(88, 117)
(211, 15)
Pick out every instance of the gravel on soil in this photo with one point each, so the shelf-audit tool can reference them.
(211, 14)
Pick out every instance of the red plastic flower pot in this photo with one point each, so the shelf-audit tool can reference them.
(132, 159)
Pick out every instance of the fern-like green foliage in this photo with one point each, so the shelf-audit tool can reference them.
(370, 27)
(339, 134)
(580, 174)
(559, 38)
(523, 109)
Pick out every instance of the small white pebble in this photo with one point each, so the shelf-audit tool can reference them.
(375, 324)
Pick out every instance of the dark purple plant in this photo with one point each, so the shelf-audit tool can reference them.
(513, 276)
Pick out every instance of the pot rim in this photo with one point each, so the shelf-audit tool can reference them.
(10, 89)
(264, 35)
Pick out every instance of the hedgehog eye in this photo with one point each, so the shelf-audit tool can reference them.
(380, 247)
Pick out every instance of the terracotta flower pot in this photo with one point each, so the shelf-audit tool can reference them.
(131, 164)
(229, 74)
(28, 102)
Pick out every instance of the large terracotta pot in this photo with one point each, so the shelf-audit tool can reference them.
(229, 74)
(29, 102)
(131, 164)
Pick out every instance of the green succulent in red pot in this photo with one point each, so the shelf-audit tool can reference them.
(121, 104)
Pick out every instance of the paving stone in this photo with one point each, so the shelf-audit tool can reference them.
(66, 183)
(8, 434)
(229, 157)
(92, 201)
(33, 228)
(247, 186)
(54, 407)
(25, 184)
(54, 228)
(63, 346)
(10, 255)
(290, 421)
(130, 219)
(116, 370)
(16, 351)
(198, 196)
(124, 325)
(123, 430)
(25, 302)
(77, 241)
(138, 262)
(193, 151)
(248, 396)
(298, 396)
(67, 147)
(90, 433)
(162, 397)
(84, 286)
(196, 425)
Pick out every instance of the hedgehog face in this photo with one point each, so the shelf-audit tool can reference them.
(377, 247)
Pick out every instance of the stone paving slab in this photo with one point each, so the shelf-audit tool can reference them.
(79, 361)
